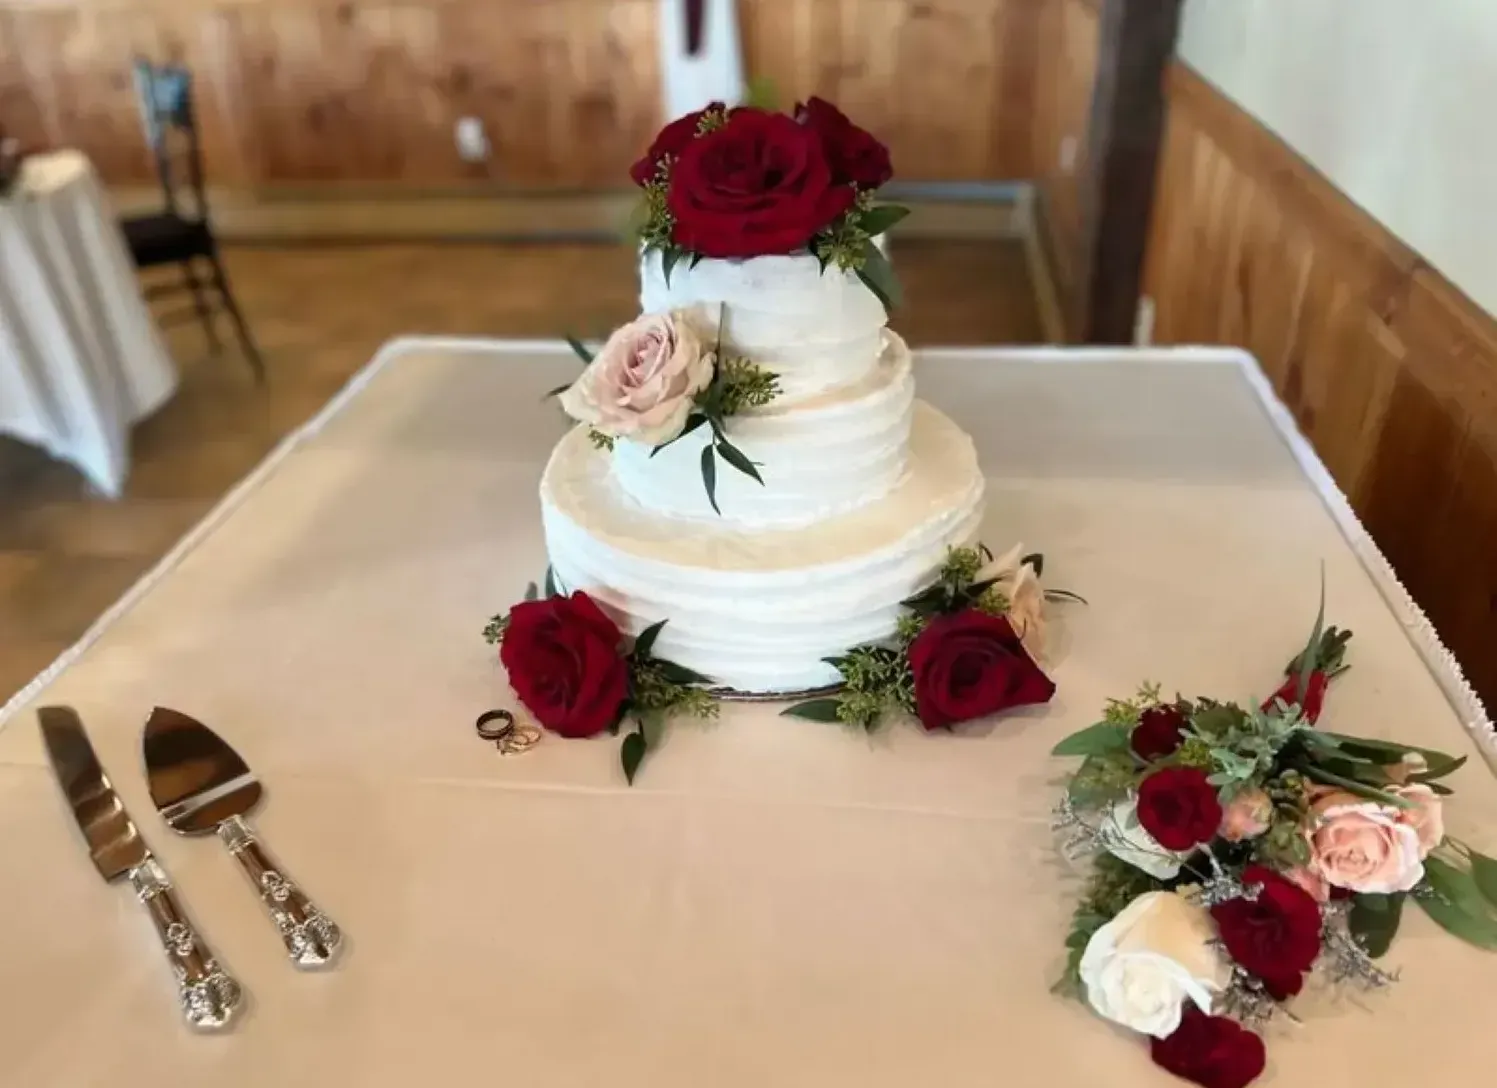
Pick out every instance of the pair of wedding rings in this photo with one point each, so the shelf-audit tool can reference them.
(507, 735)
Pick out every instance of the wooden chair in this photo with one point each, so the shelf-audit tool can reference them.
(180, 234)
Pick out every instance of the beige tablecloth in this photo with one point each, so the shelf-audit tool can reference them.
(776, 902)
(80, 359)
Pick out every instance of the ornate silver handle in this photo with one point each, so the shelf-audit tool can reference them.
(312, 939)
(210, 997)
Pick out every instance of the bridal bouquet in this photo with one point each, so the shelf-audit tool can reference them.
(1236, 850)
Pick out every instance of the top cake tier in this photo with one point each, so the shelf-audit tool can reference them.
(817, 330)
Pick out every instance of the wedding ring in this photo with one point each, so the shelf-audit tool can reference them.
(489, 731)
(519, 739)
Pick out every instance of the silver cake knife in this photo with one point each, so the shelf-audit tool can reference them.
(209, 997)
(200, 785)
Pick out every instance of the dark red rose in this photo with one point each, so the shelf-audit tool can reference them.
(564, 663)
(1275, 936)
(1314, 694)
(969, 665)
(1159, 732)
(1212, 1051)
(855, 156)
(672, 141)
(758, 185)
(1179, 807)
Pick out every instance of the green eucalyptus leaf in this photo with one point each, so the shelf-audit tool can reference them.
(1094, 740)
(1365, 746)
(734, 456)
(552, 588)
(709, 477)
(1035, 560)
(632, 753)
(581, 351)
(680, 674)
(1484, 875)
(878, 275)
(646, 640)
(1374, 921)
(558, 391)
(1319, 774)
(696, 259)
(1307, 660)
(1458, 886)
(877, 220)
(1476, 927)
(693, 421)
(668, 259)
(815, 710)
(1438, 769)
(531, 592)
(652, 728)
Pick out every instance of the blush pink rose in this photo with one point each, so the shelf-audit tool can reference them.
(643, 382)
(1246, 816)
(1427, 818)
(1363, 846)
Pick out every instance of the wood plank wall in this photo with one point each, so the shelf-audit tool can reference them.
(1066, 64)
(1389, 369)
(306, 92)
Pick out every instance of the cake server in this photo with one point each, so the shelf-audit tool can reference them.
(200, 785)
(209, 997)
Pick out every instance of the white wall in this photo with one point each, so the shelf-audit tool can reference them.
(1394, 100)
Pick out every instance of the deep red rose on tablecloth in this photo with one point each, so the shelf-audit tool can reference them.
(1159, 732)
(1179, 807)
(1212, 1051)
(1314, 694)
(969, 665)
(855, 156)
(672, 140)
(1276, 936)
(563, 659)
(758, 185)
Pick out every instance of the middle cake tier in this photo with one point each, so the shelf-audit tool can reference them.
(818, 458)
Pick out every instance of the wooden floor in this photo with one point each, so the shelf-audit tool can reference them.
(319, 315)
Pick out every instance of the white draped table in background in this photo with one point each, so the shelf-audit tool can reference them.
(80, 358)
(776, 903)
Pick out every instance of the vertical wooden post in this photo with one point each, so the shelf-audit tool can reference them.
(1137, 42)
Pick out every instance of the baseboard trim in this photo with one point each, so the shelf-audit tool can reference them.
(323, 217)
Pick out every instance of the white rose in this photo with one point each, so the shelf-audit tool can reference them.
(643, 382)
(1019, 583)
(1127, 840)
(1140, 968)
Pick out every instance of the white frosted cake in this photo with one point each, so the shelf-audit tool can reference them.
(777, 529)
(865, 487)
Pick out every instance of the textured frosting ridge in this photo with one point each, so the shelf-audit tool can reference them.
(758, 610)
(817, 329)
(818, 457)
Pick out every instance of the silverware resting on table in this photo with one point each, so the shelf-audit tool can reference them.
(210, 998)
(199, 785)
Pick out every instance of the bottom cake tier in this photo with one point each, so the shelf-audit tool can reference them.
(758, 611)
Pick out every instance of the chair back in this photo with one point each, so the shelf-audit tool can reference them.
(164, 93)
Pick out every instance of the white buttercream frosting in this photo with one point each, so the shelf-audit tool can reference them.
(818, 329)
(758, 610)
(817, 458)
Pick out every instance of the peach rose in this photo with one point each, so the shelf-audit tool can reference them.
(643, 383)
(1427, 817)
(1362, 845)
(1246, 816)
(1019, 583)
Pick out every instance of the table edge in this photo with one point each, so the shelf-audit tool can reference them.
(1420, 632)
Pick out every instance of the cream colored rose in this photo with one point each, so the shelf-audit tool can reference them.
(1019, 583)
(1140, 968)
(1127, 840)
(642, 383)
(1427, 817)
(1362, 845)
(1246, 816)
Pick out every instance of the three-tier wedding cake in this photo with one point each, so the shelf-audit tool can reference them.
(752, 463)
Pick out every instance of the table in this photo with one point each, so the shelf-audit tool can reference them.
(80, 359)
(776, 902)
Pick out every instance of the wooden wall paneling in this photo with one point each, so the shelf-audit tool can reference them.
(20, 106)
(948, 84)
(1389, 370)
